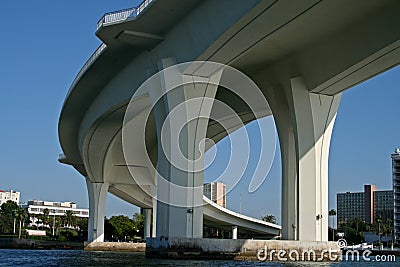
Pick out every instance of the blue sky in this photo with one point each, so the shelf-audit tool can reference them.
(44, 44)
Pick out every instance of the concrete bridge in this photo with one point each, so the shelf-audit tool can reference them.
(301, 55)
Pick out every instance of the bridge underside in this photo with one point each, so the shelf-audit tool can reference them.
(301, 55)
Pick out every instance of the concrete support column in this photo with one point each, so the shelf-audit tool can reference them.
(183, 102)
(147, 223)
(234, 232)
(278, 102)
(304, 121)
(97, 202)
(154, 218)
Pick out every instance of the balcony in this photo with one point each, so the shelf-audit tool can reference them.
(109, 18)
(122, 15)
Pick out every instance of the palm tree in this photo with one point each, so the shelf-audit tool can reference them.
(332, 213)
(69, 218)
(45, 217)
(22, 215)
(269, 218)
(390, 229)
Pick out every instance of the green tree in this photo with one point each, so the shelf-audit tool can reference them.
(138, 221)
(269, 218)
(8, 215)
(120, 227)
(69, 219)
(83, 228)
(22, 215)
(44, 217)
(56, 222)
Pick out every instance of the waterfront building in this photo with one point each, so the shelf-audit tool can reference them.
(396, 191)
(366, 206)
(9, 195)
(350, 206)
(37, 207)
(216, 192)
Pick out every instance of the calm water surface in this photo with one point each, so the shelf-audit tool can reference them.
(86, 258)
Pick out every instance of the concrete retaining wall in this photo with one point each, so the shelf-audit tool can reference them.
(116, 246)
(242, 249)
(37, 244)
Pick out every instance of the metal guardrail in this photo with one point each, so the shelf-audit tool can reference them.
(88, 63)
(122, 15)
(142, 6)
(112, 17)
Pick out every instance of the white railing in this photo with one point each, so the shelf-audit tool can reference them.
(142, 6)
(123, 15)
(111, 17)
(117, 16)
(88, 63)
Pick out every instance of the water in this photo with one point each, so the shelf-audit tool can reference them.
(88, 258)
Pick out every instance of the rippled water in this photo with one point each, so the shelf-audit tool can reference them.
(86, 258)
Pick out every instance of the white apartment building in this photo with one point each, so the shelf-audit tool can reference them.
(9, 195)
(36, 207)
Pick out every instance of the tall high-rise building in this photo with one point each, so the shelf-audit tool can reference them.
(383, 205)
(9, 195)
(396, 192)
(216, 192)
(369, 201)
(367, 206)
(350, 206)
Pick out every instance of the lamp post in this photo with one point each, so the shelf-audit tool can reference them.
(54, 220)
(379, 232)
(332, 213)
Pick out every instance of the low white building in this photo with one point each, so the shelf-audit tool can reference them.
(9, 195)
(37, 207)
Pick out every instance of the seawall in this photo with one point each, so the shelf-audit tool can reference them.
(15, 243)
(242, 249)
(116, 246)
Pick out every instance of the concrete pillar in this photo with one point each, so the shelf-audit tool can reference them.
(304, 121)
(183, 103)
(234, 232)
(147, 223)
(154, 218)
(97, 202)
(278, 102)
